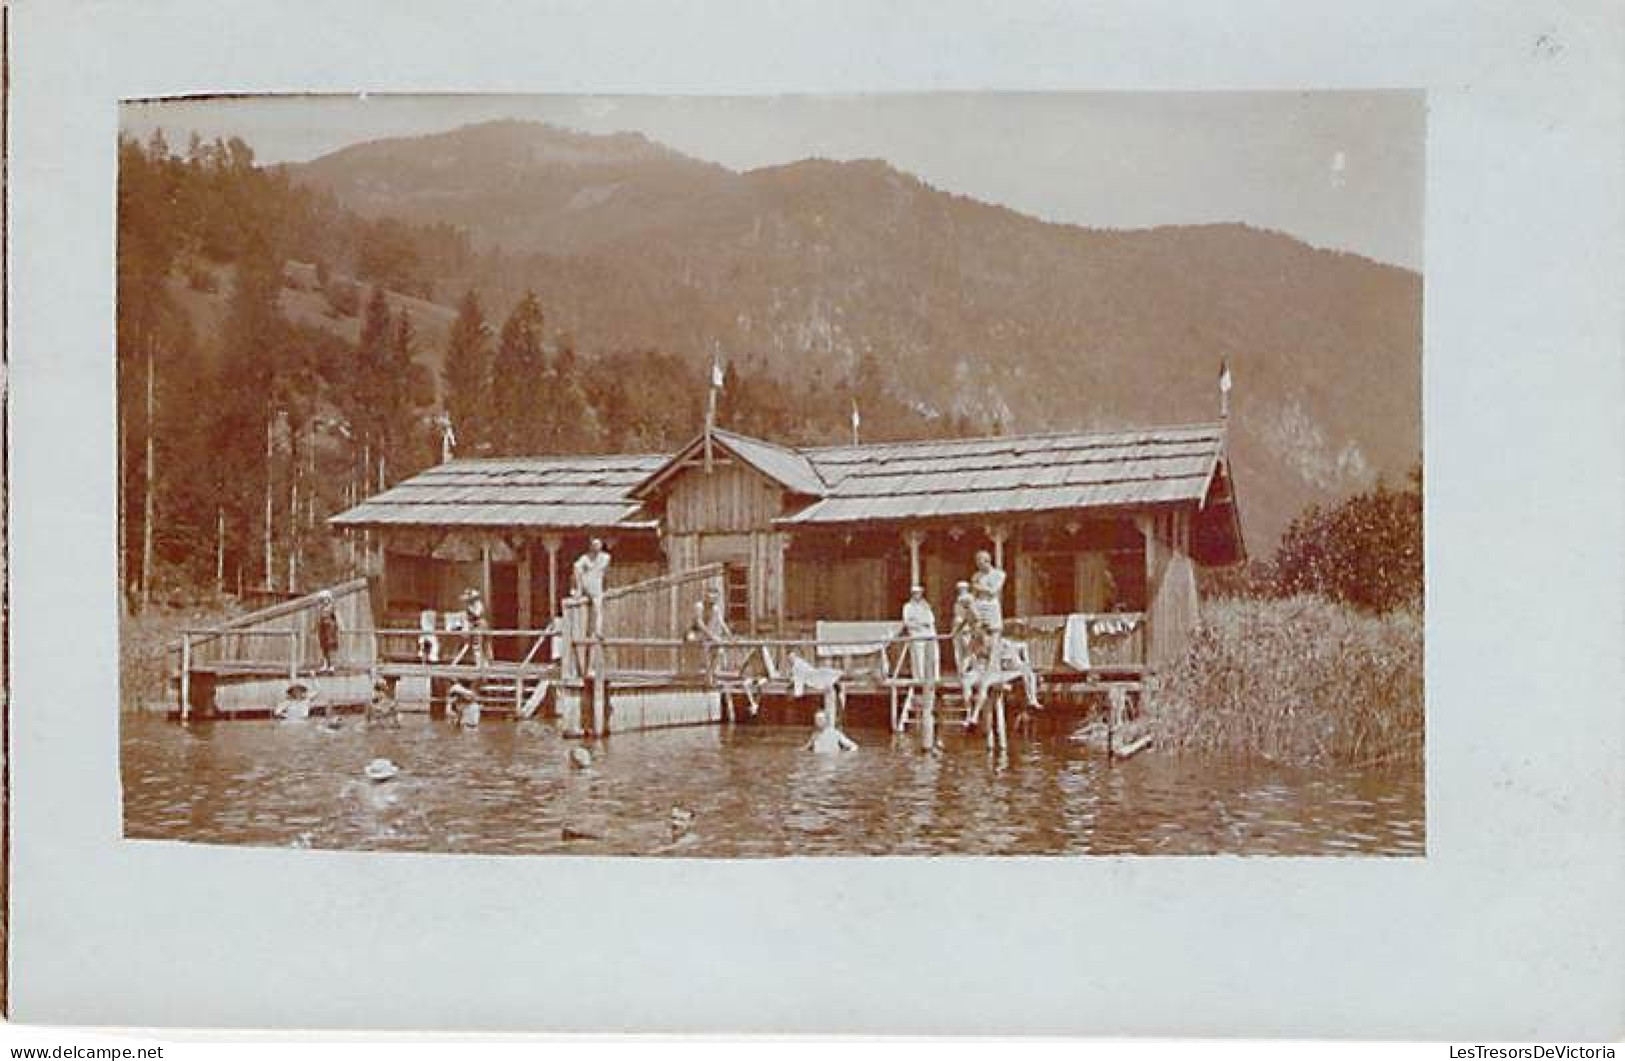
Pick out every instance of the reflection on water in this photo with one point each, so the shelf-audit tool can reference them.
(752, 791)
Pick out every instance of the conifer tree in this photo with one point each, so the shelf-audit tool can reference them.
(519, 410)
(466, 377)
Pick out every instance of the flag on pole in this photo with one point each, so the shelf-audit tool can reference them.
(448, 439)
(857, 421)
(1224, 376)
(716, 373)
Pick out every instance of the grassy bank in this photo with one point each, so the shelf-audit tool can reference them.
(143, 640)
(1301, 680)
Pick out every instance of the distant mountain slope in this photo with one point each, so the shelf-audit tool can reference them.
(969, 307)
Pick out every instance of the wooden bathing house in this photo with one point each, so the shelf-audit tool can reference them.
(812, 549)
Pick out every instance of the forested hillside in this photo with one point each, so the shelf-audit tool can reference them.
(280, 355)
(291, 338)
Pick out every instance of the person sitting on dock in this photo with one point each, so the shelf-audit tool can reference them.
(826, 738)
(382, 710)
(804, 676)
(327, 630)
(710, 628)
(295, 705)
(989, 681)
(1014, 657)
(589, 574)
(463, 706)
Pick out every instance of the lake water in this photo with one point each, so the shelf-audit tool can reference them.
(508, 788)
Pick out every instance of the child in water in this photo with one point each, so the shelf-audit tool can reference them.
(826, 738)
(296, 704)
(382, 710)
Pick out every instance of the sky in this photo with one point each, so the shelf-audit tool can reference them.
(1336, 169)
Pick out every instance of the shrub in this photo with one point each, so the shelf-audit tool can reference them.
(1301, 680)
(1366, 550)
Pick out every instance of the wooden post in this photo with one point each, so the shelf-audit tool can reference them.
(485, 576)
(600, 689)
(524, 585)
(293, 653)
(998, 532)
(1148, 534)
(552, 544)
(915, 539)
(186, 676)
(928, 713)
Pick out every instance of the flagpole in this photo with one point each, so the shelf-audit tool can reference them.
(711, 409)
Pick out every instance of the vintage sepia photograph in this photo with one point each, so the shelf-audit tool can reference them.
(759, 476)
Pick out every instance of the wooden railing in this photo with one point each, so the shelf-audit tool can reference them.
(283, 631)
(657, 609)
(1116, 642)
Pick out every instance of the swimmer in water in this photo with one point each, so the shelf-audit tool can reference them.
(826, 738)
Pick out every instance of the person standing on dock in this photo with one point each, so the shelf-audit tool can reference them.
(474, 608)
(590, 573)
(327, 630)
(920, 627)
(987, 591)
(964, 630)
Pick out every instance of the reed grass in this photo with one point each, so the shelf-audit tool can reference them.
(1300, 680)
(143, 642)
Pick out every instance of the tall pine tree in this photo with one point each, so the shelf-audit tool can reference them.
(466, 377)
(519, 410)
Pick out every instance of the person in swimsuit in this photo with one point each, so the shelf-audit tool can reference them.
(987, 589)
(826, 738)
(590, 573)
(474, 608)
(710, 628)
(327, 630)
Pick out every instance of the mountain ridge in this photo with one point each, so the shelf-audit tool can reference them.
(808, 268)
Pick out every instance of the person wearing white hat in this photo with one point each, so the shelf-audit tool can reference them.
(920, 627)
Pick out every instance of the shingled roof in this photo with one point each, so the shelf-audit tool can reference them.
(839, 485)
(538, 492)
(1029, 473)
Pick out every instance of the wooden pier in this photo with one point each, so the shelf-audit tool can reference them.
(657, 675)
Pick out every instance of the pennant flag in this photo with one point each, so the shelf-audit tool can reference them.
(1224, 376)
(716, 374)
(856, 419)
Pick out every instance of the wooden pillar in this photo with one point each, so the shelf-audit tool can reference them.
(600, 693)
(186, 676)
(1147, 527)
(914, 539)
(998, 532)
(523, 551)
(552, 543)
(383, 578)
